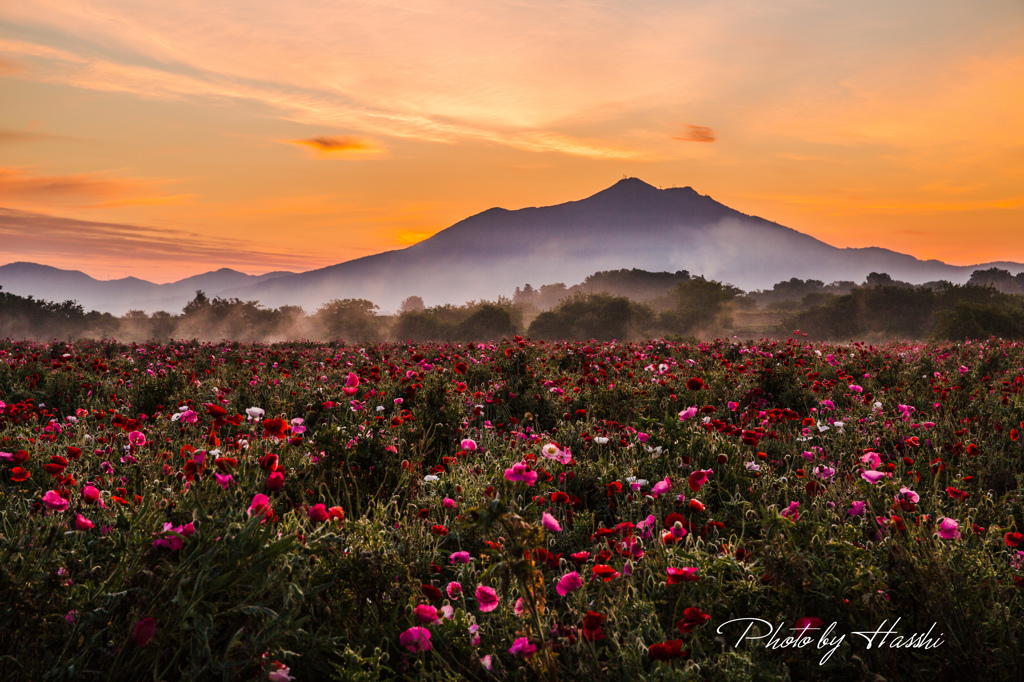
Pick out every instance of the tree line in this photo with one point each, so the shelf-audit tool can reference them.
(622, 304)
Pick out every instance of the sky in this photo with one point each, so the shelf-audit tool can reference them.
(165, 139)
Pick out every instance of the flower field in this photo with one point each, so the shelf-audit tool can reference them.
(511, 510)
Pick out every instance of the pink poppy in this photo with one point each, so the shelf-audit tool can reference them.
(53, 500)
(459, 558)
(871, 459)
(570, 582)
(522, 647)
(661, 487)
(468, 444)
(682, 575)
(857, 508)
(487, 598)
(872, 476)
(949, 529)
(824, 473)
(260, 505)
(791, 512)
(687, 413)
(416, 639)
(351, 387)
(137, 438)
(426, 614)
(908, 495)
(82, 523)
(550, 523)
(520, 472)
(454, 590)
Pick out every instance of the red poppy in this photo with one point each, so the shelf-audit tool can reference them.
(1013, 540)
(1014, 435)
(215, 411)
(957, 494)
(432, 593)
(698, 478)
(666, 651)
(593, 620)
(277, 428)
(671, 519)
(438, 529)
(692, 617)
(695, 384)
(225, 464)
(18, 474)
(604, 571)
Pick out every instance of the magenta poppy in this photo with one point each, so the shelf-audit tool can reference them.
(522, 647)
(144, 631)
(487, 598)
(416, 639)
(570, 582)
(550, 523)
(521, 473)
(687, 574)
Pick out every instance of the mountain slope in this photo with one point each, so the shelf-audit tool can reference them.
(629, 225)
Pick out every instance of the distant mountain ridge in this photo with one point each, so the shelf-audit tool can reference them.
(628, 225)
(118, 295)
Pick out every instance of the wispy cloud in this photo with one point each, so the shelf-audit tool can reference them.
(398, 100)
(25, 234)
(9, 135)
(22, 188)
(9, 67)
(697, 134)
(339, 147)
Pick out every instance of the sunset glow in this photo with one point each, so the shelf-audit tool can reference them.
(161, 140)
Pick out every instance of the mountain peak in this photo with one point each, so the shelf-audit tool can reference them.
(632, 182)
(628, 187)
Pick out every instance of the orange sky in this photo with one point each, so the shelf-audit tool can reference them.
(268, 135)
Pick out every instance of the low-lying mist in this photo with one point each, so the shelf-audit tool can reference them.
(619, 304)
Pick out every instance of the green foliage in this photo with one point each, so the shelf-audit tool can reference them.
(353, 320)
(593, 316)
(331, 598)
(886, 311)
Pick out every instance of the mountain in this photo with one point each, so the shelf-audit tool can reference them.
(629, 225)
(119, 295)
